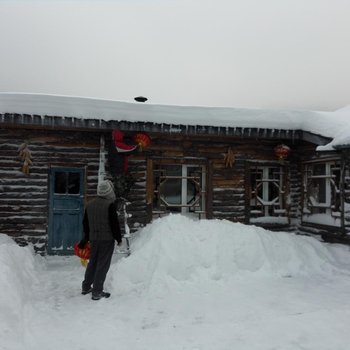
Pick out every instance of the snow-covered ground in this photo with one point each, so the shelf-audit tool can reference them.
(188, 285)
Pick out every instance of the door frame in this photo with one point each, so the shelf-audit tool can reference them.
(51, 197)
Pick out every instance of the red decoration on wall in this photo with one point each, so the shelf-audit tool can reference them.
(122, 147)
(282, 151)
(143, 140)
(119, 144)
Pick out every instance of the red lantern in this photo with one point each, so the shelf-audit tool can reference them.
(282, 151)
(143, 140)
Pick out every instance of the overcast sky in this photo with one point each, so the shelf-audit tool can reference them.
(281, 54)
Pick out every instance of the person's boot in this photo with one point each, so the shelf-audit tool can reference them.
(86, 291)
(99, 295)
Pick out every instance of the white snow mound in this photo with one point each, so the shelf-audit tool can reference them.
(17, 276)
(176, 250)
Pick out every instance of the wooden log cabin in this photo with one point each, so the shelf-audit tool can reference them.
(54, 149)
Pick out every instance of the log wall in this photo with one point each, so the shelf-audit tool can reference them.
(226, 186)
(137, 196)
(24, 198)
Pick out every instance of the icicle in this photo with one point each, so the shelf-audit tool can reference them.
(101, 166)
(127, 235)
(126, 227)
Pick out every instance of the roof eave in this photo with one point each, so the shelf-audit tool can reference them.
(99, 125)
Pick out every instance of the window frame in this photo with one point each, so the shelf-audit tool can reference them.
(270, 208)
(332, 189)
(161, 206)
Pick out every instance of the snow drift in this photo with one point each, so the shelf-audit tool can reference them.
(17, 276)
(187, 285)
(175, 251)
(17, 269)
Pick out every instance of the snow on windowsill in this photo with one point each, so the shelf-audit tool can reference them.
(322, 219)
(269, 220)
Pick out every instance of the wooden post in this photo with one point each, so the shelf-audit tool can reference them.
(209, 197)
(149, 188)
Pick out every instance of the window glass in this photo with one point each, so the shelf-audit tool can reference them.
(67, 182)
(60, 182)
(335, 190)
(194, 185)
(318, 190)
(170, 190)
(73, 185)
(172, 170)
(319, 169)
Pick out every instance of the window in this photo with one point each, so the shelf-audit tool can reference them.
(267, 195)
(67, 182)
(321, 188)
(178, 188)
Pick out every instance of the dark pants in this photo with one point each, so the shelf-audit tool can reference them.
(99, 263)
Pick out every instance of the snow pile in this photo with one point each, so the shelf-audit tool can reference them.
(187, 285)
(176, 250)
(17, 277)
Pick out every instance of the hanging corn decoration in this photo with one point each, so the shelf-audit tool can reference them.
(25, 155)
(229, 158)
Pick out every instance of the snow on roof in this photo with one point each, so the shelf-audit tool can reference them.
(341, 124)
(329, 124)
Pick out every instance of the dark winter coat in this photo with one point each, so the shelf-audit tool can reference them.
(101, 221)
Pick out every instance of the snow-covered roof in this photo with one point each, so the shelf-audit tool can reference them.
(335, 125)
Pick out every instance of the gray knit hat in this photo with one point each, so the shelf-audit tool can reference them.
(106, 189)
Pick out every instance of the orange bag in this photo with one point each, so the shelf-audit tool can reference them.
(82, 253)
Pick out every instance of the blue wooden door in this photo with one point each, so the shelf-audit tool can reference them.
(66, 209)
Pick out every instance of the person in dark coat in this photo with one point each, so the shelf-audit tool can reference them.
(101, 228)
